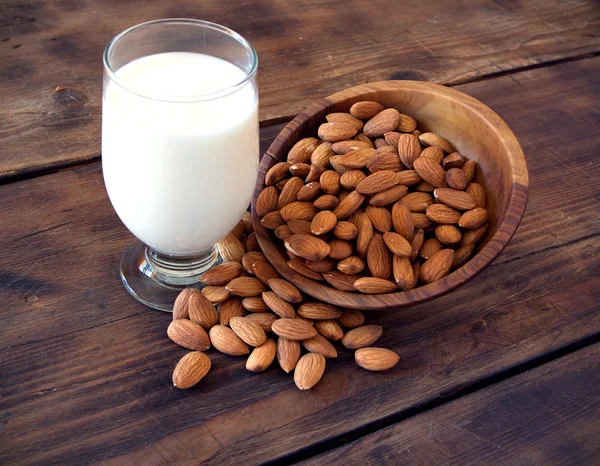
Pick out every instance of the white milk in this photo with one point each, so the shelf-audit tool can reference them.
(180, 174)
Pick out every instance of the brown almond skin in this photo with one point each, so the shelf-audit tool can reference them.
(277, 173)
(366, 109)
(345, 118)
(365, 235)
(473, 218)
(432, 139)
(298, 211)
(351, 318)
(441, 213)
(226, 341)
(379, 259)
(351, 265)
(409, 150)
(352, 178)
(473, 236)
(408, 178)
(448, 234)
(478, 193)
(430, 247)
(216, 294)
(362, 337)
(299, 265)
(308, 247)
(417, 202)
(222, 274)
(343, 147)
(376, 359)
(322, 154)
(272, 220)
(180, 308)
(190, 369)
(377, 182)
(262, 356)
(323, 222)
(430, 171)
(402, 221)
(469, 169)
(437, 266)
(389, 196)
(309, 192)
(380, 218)
(374, 285)
(266, 201)
(420, 220)
(288, 353)
(289, 193)
(403, 273)
(456, 178)
(293, 329)
(336, 131)
(245, 287)
(232, 307)
(255, 304)
(264, 272)
(367, 140)
(320, 345)
(341, 281)
(434, 153)
(330, 182)
(345, 230)
(249, 332)
(397, 244)
(231, 249)
(326, 202)
(348, 205)
(407, 124)
(188, 334)
(300, 227)
(323, 265)
(319, 311)
(383, 122)
(285, 290)
(462, 255)
(315, 173)
(330, 329)
(202, 311)
(309, 370)
(264, 319)
(302, 150)
(453, 160)
(456, 199)
(278, 305)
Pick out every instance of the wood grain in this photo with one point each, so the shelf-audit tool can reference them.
(544, 416)
(471, 127)
(307, 50)
(110, 385)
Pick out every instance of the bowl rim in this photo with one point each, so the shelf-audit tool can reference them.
(506, 229)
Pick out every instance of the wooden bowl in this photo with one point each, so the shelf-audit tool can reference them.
(471, 128)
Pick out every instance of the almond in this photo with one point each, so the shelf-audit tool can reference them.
(425, 187)
(262, 356)
(318, 311)
(434, 153)
(469, 170)
(457, 199)
(288, 353)
(441, 213)
(202, 311)
(309, 370)
(374, 285)
(190, 369)
(356, 217)
(279, 306)
(377, 182)
(397, 244)
(437, 266)
(456, 178)
(345, 230)
(216, 294)
(298, 211)
(348, 205)
(340, 249)
(462, 255)
(407, 124)
(420, 220)
(367, 140)
(337, 131)
(264, 272)
(188, 334)
(323, 265)
(474, 235)
(272, 220)
(180, 308)
(289, 193)
(330, 182)
(361, 337)
(249, 331)
(387, 149)
(238, 231)
(345, 118)
(409, 149)
(380, 218)
(330, 329)
(453, 160)
(264, 319)
(266, 201)
(448, 234)
(299, 265)
(351, 265)
(326, 202)
(277, 173)
(392, 138)
(365, 235)
(251, 258)
(337, 166)
(343, 147)
(473, 218)
(389, 196)
(230, 308)
(254, 304)
(385, 121)
(281, 184)
(341, 281)
(417, 202)
(300, 227)
(302, 150)
(352, 178)
(385, 161)
(430, 247)
(247, 221)
(293, 329)
(245, 287)
(351, 318)
(309, 192)
(366, 109)
(307, 247)
(300, 169)
(323, 222)
(320, 345)
(322, 154)
(478, 193)
(416, 133)
(315, 173)
(226, 341)
(285, 290)
(251, 243)
(376, 359)
(432, 139)
(402, 221)
(231, 249)
(379, 260)
(357, 159)
(403, 273)
(430, 171)
(416, 243)
(408, 177)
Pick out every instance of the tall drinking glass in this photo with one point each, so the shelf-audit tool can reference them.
(179, 148)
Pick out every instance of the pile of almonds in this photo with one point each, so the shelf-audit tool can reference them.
(247, 309)
(374, 205)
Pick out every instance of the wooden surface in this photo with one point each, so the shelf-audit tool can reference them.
(307, 50)
(85, 370)
(475, 131)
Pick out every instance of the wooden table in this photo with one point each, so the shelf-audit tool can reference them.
(505, 370)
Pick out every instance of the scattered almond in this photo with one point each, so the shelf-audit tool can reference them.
(376, 359)
(190, 369)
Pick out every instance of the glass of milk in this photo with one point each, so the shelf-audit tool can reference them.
(180, 148)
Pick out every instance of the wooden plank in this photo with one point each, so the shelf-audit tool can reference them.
(545, 416)
(308, 49)
(67, 258)
(106, 391)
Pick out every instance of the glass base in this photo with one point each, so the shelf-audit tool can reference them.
(155, 280)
